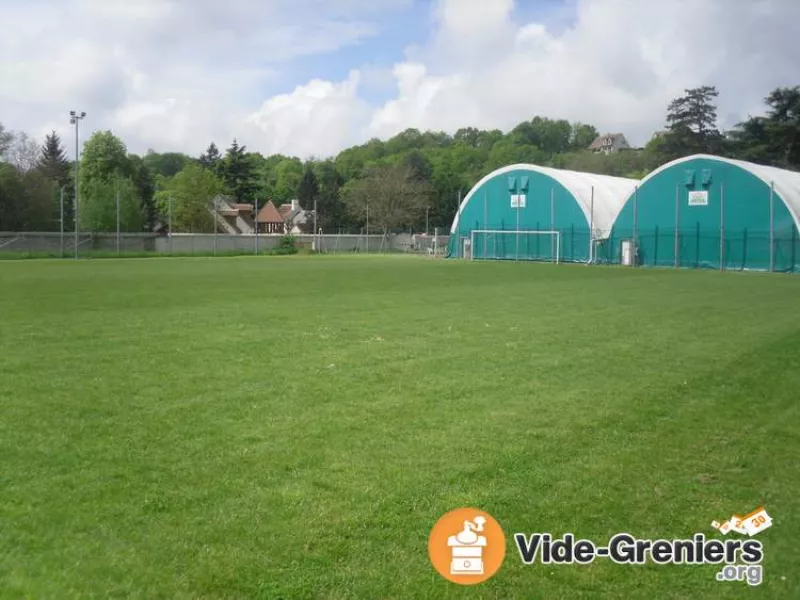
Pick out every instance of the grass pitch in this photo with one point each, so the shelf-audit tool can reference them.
(293, 427)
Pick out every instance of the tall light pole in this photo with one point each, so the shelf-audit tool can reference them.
(75, 119)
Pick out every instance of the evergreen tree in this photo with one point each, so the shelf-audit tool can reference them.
(692, 124)
(211, 159)
(308, 190)
(237, 172)
(331, 212)
(53, 163)
(144, 182)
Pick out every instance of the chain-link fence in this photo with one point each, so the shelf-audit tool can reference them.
(688, 247)
(211, 228)
(735, 250)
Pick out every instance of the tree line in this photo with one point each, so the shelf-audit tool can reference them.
(409, 181)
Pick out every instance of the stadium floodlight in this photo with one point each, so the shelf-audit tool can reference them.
(75, 119)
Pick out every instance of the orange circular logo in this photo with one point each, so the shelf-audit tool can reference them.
(467, 546)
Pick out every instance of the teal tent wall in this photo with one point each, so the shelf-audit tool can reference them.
(731, 231)
(555, 200)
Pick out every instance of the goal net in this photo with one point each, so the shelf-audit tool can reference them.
(490, 244)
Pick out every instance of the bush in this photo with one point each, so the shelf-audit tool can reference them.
(285, 246)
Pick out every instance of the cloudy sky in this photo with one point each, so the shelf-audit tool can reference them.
(310, 77)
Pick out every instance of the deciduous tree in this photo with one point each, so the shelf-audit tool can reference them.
(192, 192)
(391, 196)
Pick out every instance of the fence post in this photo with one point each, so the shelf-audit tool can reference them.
(722, 227)
(676, 251)
(591, 227)
(572, 242)
(636, 226)
(169, 225)
(697, 246)
(117, 241)
(61, 208)
(772, 227)
(516, 257)
(655, 247)
(485, 219)
(744, 249)
(553, 220)
(255, 223)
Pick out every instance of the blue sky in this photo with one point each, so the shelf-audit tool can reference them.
(310, 77)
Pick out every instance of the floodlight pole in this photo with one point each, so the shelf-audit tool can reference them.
(75, 119)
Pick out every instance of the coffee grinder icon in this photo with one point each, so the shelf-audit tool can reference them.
(467, 548)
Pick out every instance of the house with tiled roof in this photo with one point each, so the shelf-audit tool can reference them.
(234, 217)
(609, 143)
(297, 219)
(269, 219)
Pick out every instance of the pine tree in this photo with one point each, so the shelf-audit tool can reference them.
(53, 163)
(692, 123)
(308, 190)
(237, 172)
(211, 159)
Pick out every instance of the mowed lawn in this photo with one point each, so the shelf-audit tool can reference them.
(293, 427)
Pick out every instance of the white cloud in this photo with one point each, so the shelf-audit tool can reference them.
(167, 74)
(617, 66)
(316, 119)
(174, 74)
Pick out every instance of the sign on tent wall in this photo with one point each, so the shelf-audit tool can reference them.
(698, 198)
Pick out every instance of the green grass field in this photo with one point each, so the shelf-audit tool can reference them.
(293, 427)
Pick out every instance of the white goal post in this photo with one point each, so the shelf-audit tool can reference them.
(496, 244)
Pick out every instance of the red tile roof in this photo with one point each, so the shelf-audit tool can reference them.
(269, 214)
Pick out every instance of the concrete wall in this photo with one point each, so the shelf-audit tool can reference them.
(199, 243)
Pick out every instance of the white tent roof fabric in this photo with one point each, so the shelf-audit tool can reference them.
(787, 183)
(610, 193)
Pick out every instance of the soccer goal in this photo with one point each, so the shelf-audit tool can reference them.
(492, 244)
